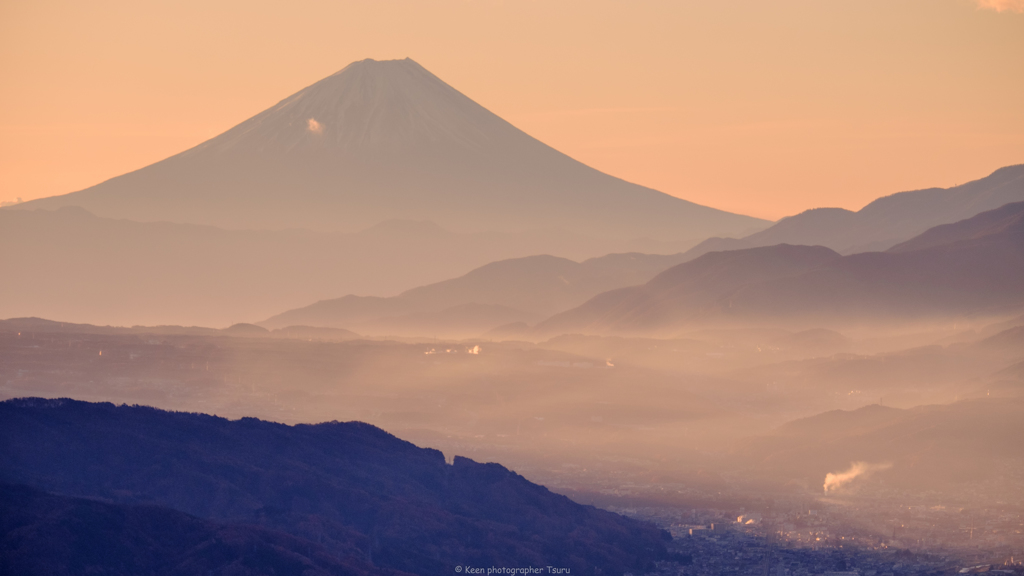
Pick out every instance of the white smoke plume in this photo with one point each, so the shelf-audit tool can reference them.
(1002, 5)
(314, 126)
(836, 480)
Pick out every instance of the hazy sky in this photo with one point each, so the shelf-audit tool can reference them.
(760, 107)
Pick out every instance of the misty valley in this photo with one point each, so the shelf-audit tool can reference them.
(377, 329)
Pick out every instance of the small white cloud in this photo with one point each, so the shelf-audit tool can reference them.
(1002, 5)
(314, 126)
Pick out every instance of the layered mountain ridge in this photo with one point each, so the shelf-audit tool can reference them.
(515, 290)
(71, 264)
(886, 221)
(973, 267)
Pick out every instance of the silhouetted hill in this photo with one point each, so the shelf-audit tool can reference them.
(500, 293)
(685, 291)
(940, 447)
(244, 329)
(44, 534)
(886, 221)
(979, 271)
(389, 140)
(337, 484)
(829, 426)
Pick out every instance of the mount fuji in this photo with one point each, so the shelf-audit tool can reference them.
(388, 140)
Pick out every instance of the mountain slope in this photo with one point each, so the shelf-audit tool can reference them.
(521, 289)
(974, 267)
(683, 292)
(886, 221)
(978, 275)
(389, 140)
(333, 483)
(910, 449)
(1002, 220)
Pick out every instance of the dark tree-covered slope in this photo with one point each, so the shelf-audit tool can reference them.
(345, 486)
(45, 534)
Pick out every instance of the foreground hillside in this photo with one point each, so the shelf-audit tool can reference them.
(43, 534)
(349, 487)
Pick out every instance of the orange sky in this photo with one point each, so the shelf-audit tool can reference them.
(764, 108)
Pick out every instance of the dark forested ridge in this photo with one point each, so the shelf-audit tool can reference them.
(350, 488)
(45, 534)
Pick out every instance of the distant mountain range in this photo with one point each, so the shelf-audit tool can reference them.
(376, 180)
(885, 222)
(348, 489)
(73, 265)
(389, 140)
(372, 181)
(973, 267)
(518, 290)
(32, 324)
(468, 306)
